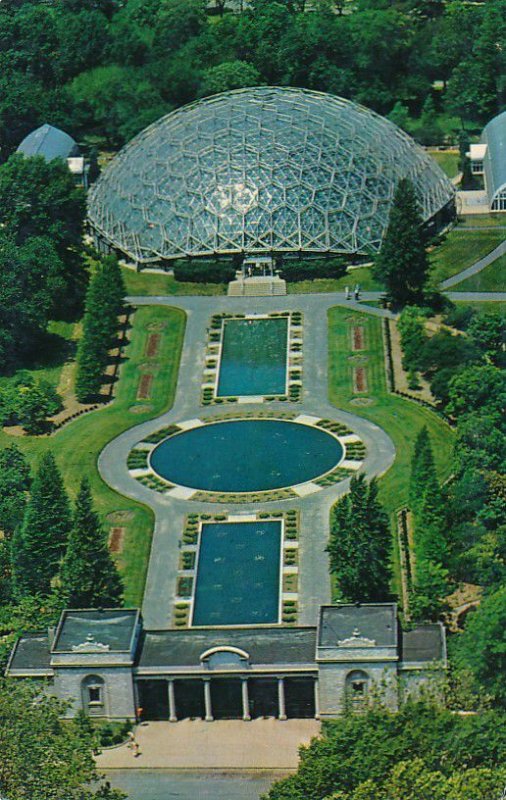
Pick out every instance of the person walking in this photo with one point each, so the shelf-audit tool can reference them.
(347, 292)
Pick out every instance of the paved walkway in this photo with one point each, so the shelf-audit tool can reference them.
(314, 585)
(499, 251)
(161, 784)
(223, 745)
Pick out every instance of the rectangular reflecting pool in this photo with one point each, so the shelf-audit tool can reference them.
(238, 574)
(253, 357)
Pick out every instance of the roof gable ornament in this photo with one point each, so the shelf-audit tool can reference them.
(90, 645)
(356, 640)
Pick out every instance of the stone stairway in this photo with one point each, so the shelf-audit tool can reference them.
(257, 286)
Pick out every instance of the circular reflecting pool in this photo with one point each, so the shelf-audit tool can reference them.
(246, 455)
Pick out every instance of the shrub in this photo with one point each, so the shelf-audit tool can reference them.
(309, 270)
(204, 272)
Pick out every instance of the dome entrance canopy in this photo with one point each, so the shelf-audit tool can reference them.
(262, 170)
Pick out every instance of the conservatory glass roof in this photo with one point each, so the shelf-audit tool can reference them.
(494, 136)
(262, 170)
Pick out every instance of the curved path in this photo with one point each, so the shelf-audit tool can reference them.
(314, 589)
(499, 251)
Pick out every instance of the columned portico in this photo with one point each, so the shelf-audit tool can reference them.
(207, 700)
(281, 699)
(172, 700)
(245, 700)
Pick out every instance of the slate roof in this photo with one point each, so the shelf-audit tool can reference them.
(48, 142)
(30, 654)
(425, 643)
(114, 627)
(376, 621)
(264, 645)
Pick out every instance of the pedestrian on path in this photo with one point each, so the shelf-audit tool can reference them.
(347, 292)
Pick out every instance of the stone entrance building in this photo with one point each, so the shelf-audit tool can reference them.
(105, 662)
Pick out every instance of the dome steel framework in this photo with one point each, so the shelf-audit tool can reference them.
(263, 170)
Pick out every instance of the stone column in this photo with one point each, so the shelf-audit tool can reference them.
(172, 701)
(316, 700)
(245, 700)
(281, 699)
(207, 700)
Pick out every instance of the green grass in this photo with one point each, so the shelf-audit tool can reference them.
(490, 279)
(78, 445)
(483, 220)
(448, 160)
(363, 276)
(54, 349)
(460, 249)
(157, 283)
(400, 418)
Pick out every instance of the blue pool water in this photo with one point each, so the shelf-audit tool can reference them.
(246, 455)
(237, 580)
(253, 359)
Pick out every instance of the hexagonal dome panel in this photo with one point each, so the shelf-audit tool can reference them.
(232, 173)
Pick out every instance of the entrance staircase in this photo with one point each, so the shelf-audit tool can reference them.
(257, 286)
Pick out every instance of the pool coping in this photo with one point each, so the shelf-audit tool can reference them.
(351, 461)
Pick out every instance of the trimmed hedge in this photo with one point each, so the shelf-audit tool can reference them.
(204, 272)
(309, 270)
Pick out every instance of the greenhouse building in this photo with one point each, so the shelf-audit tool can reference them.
(263, 172)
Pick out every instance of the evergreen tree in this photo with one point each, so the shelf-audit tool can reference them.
(104, 299)
(89, 578)
(14, 484)
(39, 543)
(422, 466)
(359, 544)
(402, 263)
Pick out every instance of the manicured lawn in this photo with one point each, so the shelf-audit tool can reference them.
(483, 220)
(155, 283)
(490, 279)
(460, 249)
(78, 445)
(400, 418)
(54, 350)
(362, 276)
(448, 160)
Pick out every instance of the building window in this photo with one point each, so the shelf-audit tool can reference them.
(92, 689)
(357, 687)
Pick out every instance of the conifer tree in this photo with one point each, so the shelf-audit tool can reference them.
(104, 299)
(422, 467)
(88, 577)
(402, 262)
(39, 543)
(359, 545)
(14, 484)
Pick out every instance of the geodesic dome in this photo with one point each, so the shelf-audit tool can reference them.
(262, 170)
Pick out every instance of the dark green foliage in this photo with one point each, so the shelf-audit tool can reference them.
(295, 270)
(413, 336)
(29, 280)
(481, 648)
(402, 263)
(367, 747)
(88, 577)
(39, 543)
(201, 272)
(430, 536)
(44, 757)
(478, 388)
(15, 482)
(359, 545)
(104, 300)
